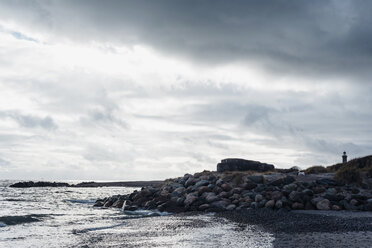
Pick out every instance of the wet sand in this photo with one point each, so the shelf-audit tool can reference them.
(254, 228)
(179, 230)
(309, 228)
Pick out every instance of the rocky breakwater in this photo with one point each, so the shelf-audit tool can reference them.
(228, 191)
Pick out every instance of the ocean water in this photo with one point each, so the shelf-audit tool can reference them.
(65, 217)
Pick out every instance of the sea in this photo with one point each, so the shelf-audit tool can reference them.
(65, 217)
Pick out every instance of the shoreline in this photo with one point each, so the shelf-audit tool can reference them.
(308, 228)
(92, 184)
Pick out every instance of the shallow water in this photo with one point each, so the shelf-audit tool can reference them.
(65, 217)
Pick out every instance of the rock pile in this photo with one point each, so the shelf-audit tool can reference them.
(214, 191)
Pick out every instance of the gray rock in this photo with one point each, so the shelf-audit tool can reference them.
(178, 192)
(175, 185)
(118, 204)
(290, 187)
(354, 202)
(219, 182)
(295, 196)
(336, 207)
(249, 185)
(201, 183)
(211, 197)
(224, 194)
(258, 198)
(297, 206)
(203, 207)
(219, 205)
(276, 195)
(315, 200)
(191, 181)
(278, 204)
(318, 189)
(230, 207)
(308, 192)
(203, 189)
(270, 204)
(226, 187)
(368, 206)
(255, 178)
(323, 204)
(262, 203)
(190, 199)
(180, 201)
(331, 191)
(326, 181)
(237, 190)
(333, 197)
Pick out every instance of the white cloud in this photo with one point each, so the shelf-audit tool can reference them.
(95, 105)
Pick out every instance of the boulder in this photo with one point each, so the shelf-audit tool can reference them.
(219, 205)
(255, 178)
(190, 181)
(108, 204)
(278, 204)
(276, 195)
(249, 185)
(230, 207)
(219, 182)
(333, 197)
(270, 204)
(201, 183)
(211, 197)
(203, 189)
(190, 199)
(295, 196)
(178, 192)
(118, 204)
(290, 187)
(226, 187)
(315, 200)
(224, 194)
(297, 206)
(258, 198)
(326, 181)
(323, 204)
(203, 207)
(336, 207)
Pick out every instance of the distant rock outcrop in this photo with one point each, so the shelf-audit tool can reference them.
(237, 164)
(38, 184)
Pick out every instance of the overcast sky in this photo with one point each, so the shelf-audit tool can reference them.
(128, 90)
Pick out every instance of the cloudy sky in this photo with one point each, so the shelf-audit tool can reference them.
(128, 90)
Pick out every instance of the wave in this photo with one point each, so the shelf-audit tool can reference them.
(75, 231)
(81, 201)
(137, 214)
(21, 219)
(145, 213)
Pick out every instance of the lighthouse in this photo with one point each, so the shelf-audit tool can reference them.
(344, 158)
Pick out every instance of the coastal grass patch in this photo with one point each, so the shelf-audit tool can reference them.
(317, 169)
(237, 177)
(348, 175)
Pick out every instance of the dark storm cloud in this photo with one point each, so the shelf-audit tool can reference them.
(319, 38)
